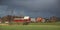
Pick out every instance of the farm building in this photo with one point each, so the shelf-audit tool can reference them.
(43, 20)
(18, 19)
(33, 19)
(40, 19)
(26, 18)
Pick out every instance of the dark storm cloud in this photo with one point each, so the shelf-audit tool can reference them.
(33, 8)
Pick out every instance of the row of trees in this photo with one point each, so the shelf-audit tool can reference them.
(54, 19)
(10, 18)
(51, 19)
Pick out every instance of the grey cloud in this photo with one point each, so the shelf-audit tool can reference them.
(33, 7)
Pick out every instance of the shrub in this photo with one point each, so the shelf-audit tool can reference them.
(25, 23)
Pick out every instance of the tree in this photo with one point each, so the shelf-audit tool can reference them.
(7, 18)
(53, 19)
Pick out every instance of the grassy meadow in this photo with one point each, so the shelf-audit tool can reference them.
(32, 26)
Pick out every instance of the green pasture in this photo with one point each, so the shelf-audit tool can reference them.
(32, 26)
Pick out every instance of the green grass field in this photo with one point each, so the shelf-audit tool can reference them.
(30, 27)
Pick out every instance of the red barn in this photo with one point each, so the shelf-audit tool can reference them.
(18, 19)
(26, 18)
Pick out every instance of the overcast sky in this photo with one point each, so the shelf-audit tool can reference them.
(33, 8)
